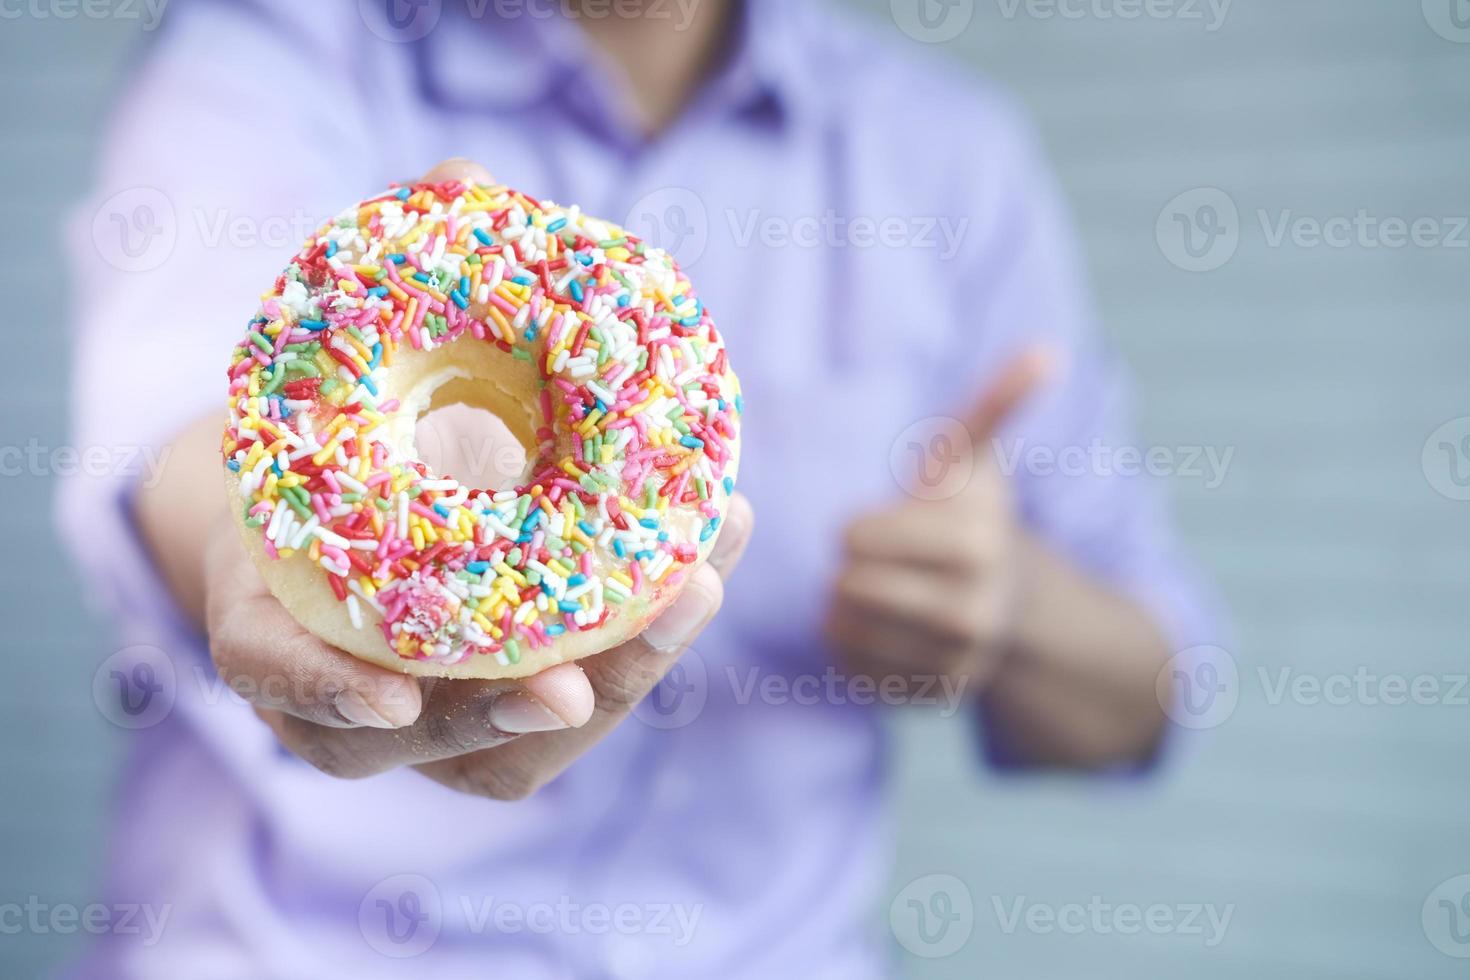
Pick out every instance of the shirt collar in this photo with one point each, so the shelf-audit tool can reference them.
(495, 60)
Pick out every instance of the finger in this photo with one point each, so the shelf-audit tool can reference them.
(620, 678)
(1017, 381)
(466, 718)
(563, 691)
(458, 168)
(880, 646)
(459, 717)
(270, 659)
(734, 535)
(444, 731)
(928, 606)
(921, 534)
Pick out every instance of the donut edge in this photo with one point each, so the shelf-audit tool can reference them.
(300, 586)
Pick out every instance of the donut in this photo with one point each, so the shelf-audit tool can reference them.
(589, 344)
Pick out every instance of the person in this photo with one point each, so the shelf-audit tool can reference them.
(894, 272)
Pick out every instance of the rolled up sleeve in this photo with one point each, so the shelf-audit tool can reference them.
(1080, 471)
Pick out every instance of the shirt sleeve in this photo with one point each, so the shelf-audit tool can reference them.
(1084, 480)
(226, 148)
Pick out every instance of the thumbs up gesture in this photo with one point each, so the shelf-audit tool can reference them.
(929, 588)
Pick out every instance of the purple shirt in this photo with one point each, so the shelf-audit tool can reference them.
(875, 236)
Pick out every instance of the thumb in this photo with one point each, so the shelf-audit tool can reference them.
(1017, 381)
(458, 168)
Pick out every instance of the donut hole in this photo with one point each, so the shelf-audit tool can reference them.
(469, 412)
(473, 445)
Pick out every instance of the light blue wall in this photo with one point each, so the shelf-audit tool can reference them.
(56, 750)
(1325, 369)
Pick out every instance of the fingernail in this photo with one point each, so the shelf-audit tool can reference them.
(352, 706)
(675, 626)
(518, 713)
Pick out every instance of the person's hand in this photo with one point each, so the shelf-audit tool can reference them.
(500, 739)
(928, 588)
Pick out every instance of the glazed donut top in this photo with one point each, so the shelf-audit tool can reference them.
(636, 419)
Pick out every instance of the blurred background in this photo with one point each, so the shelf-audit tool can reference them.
(1326, 808)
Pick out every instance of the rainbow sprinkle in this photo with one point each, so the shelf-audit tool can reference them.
(637, 435)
